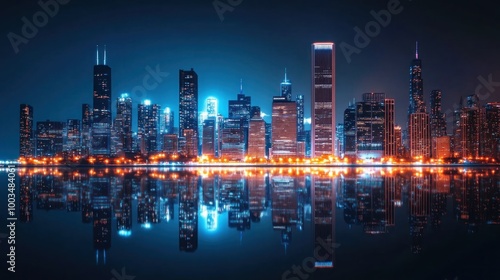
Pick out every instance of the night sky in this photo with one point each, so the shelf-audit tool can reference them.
(255, 42)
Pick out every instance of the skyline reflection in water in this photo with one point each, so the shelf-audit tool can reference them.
(309, 203)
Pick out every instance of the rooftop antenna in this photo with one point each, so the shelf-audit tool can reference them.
(241, 86)
(97, 52)
(104, 54)
(416, 49)
(285, 76)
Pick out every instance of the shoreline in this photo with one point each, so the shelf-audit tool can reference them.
(249, 165)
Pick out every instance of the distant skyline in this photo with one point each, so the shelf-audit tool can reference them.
(255, 42)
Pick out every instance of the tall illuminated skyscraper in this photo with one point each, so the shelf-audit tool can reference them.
(323, 100)
(491, 136)
(416, 93)
(389, 135)
(420, 136)
(370, 121)
(286, 88)
(86, 129)
(300, 118)
(438, 123)
(123, 122)
(26, 141)
(417, 104)
(284, 128)
(211, 107)
(101, 124)
(148, 120)
(188, 105)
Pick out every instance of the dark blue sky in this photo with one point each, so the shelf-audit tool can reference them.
(256, 40)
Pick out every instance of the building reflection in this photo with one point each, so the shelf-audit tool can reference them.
(369, 200)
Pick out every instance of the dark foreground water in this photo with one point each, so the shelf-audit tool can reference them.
(223, 223)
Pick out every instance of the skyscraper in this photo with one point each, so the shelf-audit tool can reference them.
(438, 123)
(417, 104)
(323, 100)
(26, 144)
(73, 137)
(212, 107)
(86, 129)
(208, 142)
(188, 105)
(350, 131)
(168, 121)
(241, 109)
(491, 146)
(147, 132)
(101, 124)
(49, 138)
(286, 88)
(389, 135)
(257, 138)
(470, 126)
(123, 122)
(370, 121)
(420, 136)
(284, 128)
(300, 118)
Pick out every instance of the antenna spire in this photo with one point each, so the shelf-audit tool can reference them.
(241, 86)
(416, 49)
(104, 54)
(285, 76)
(97, 53)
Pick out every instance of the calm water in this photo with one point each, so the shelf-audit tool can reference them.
(223, 223)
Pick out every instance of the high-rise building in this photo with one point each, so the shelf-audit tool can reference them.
(417, 104)
(389, 136)
(26, 141)
(300, 118)
(49, 138)
(398, 137)
(241, 109)
(491, 146)
(370, 121)
(438, 123)
(101, 123)
(208, 141)
(437, 119)
(257, 138)
(286, 88)
(420, 136)
(323, 100)
(470, 126)
(456, 141)
(170, 144)
(123, 123)
(350, 131)
(232, 140)
(167, 121)
(86, 129)
(284, 128)
(148, 121)
(416, 93)
(212, 108)
(72, 144)
(188, 105)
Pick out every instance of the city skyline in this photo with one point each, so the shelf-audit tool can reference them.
(223, 62)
